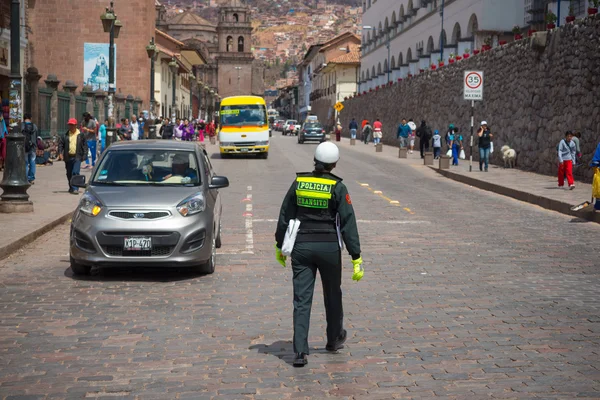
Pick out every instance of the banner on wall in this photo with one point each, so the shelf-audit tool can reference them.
(95, 65)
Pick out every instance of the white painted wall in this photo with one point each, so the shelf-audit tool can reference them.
(492, 15)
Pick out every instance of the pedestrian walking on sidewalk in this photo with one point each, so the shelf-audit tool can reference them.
(447, 137)
(88, 128)
(566, 155)
(178, 130)
(413, 133)
(73, 149)
(456, 145)
(437, 144)
(31, 133)
(367, 132)
(3, 134)
(424, 135)
(338, 132)
(484, 143)
(135, 128)
(377, 131)
(321, 203)
(102, 133)
(201, 130)
(353, 128)
(403, 134)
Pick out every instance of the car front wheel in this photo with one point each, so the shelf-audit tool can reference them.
(209, 266)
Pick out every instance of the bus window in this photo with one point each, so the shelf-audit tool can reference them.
(244, 114)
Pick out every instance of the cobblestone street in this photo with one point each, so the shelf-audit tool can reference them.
(466, 295)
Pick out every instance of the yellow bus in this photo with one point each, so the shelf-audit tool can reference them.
(244, 128)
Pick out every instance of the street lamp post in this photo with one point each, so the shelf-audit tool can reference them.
(151, 50)
(111, 25)
(442, 36)
(14, 183)
(174, 67)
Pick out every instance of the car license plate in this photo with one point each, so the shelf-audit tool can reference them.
(244, 150)
(137, 243)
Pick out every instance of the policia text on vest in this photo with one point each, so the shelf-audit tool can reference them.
(316, 199)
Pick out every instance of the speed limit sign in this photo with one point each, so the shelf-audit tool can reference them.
(473, 85)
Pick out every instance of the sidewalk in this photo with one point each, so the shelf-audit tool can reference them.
(52, 205)
(541, 190)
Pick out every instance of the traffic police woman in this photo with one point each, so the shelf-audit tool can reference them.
(318, 199)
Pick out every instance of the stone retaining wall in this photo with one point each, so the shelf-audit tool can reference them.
(532, 95)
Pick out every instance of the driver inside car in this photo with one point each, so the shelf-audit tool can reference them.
(124, 168)
(181, 167)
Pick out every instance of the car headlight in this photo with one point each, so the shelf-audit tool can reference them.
(225, 144)
(90, 205)
(263, 143)
(192, 205)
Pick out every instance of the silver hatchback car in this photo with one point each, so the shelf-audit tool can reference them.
(148, 203)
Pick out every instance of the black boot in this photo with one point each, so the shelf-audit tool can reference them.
(300, 360)
(339, 342)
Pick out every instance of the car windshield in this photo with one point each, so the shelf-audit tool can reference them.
(313, 126)
(148, 167)
(290, 122)
(247, 114)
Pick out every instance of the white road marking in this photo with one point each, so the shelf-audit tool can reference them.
(249, 231)
(378, 192)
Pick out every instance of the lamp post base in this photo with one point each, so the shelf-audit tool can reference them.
(13, 207)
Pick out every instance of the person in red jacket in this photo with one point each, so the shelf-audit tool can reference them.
(377, 131)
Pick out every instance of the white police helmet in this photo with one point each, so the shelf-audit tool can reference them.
(327, 153)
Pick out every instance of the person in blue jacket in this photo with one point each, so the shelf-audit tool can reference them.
(404, 132)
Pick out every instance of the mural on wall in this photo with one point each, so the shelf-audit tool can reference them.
(95, 65)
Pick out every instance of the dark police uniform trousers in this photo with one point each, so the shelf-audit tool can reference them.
(307, 259)
(316, 199)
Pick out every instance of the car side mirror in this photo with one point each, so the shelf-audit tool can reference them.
(78, 181)
(218, 182)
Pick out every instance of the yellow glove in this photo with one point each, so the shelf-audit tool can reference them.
(358, 269)
(280, 257)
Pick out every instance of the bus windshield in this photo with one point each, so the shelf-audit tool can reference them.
(243, 114)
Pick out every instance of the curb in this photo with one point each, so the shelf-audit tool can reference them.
(12, 247)
(549, 204)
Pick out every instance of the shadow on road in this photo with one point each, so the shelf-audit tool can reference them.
(141, 274)
(284, 350)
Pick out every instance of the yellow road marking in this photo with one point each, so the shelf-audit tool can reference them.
(380, 194)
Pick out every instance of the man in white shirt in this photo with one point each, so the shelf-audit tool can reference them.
(135, 128)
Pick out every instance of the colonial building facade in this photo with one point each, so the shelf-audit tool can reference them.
(402, 37)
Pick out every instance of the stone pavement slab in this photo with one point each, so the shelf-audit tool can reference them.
(541, 190)
(52, 205)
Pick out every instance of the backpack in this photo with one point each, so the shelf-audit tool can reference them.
(30, 139)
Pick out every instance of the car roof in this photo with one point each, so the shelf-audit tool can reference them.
(154, 145)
